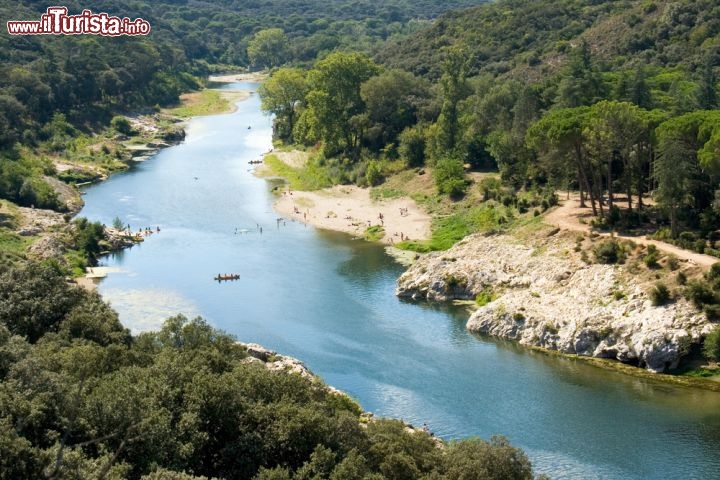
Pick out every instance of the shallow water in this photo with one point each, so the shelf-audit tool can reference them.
(329, 301)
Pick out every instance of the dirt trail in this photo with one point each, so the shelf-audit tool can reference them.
(568, 214)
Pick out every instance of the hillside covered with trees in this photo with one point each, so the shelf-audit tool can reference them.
(615, 99)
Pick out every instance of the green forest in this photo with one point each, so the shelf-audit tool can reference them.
(615, 99)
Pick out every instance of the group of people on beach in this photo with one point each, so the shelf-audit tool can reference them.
(142, 232)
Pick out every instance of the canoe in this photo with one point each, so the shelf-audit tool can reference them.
(221, 278)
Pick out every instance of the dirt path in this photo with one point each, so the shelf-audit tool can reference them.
(567, 216)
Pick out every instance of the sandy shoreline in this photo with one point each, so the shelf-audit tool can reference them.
(350, 209)
(239, 77)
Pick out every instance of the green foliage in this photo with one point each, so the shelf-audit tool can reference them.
(412, 146)
(660, 294)
(486, 296)
(449, 177)
(310, 177)
(374, 233)
(711, 345)
(334, 113)
(268, 48)
(700, 293)
(609, 252)
(121, 125)
(36, 299)
(283, 94)
(651, 259)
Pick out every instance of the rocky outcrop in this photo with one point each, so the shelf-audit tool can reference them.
(274, 361)
(544, 296)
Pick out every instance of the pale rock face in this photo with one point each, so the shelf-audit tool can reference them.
(546, 298)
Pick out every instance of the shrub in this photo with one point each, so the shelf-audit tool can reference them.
(711, 346)
(121, 125)
(450, 177)
(412, 146)
(373, 174)
(681, 278)
(651, 259)
(660, 294)
(700, 293)
(712, 312)
(608, 252)
(485, 297)
(672, 262)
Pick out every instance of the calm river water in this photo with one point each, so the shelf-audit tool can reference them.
(329, 301)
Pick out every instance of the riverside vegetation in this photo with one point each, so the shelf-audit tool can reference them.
(601, 97)
(616, 100)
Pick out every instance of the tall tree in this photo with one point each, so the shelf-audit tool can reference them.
(335, 109)
(454, 87)
(282, 94)
(558, 136)
(580, 83)
(268, 48)
(392, 100)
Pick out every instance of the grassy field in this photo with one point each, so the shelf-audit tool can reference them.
(205, 102)
(308, 178)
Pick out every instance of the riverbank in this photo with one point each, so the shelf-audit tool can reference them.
(541, 292)
(348, 208)
(43, 234)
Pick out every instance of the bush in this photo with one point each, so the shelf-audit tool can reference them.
(485, 297)
(412, 146)
(700, 293)
(681, 278)
(660, 294)
(711, 346)
(373, 174)
(450, 177)
(608, 252)
(672, 262)
(651, 259)
(121, 125)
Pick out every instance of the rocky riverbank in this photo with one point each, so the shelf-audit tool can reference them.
(544, 294)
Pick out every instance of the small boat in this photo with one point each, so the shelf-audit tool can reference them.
(222, 278)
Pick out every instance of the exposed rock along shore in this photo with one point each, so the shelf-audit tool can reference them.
(545, 297)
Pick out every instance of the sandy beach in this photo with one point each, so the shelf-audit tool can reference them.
(239, 77)
(350, 209)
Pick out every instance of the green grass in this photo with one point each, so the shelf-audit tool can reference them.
(485, 297)
(208, 102)
(309, 178)
(448, 230)
(374, 233)
(385, 193)
(12, 247)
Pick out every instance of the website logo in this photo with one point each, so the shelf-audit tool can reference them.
(56, 21)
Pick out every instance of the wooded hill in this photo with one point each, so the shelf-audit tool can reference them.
(532, 40)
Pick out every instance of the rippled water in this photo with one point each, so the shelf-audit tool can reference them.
(329, 301)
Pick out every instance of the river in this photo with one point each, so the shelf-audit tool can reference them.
(329, 300)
